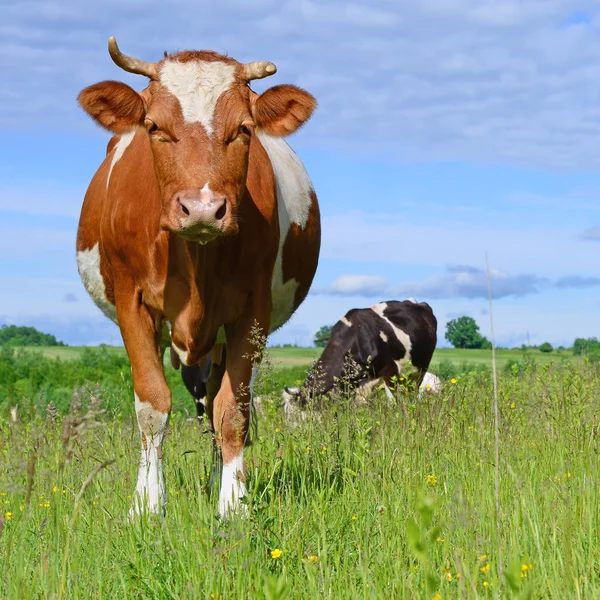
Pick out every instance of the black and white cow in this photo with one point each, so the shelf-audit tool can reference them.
(379, 340)
(195, 378)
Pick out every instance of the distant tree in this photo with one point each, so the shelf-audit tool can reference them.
(13, 335)
(586, 346)
(546, 347)
(486, 344)
(322, 336)
(464, 333)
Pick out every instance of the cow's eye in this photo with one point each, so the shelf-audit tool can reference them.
(244, 130)
(150, 125)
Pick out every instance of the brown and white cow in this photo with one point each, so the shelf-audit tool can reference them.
(200, 224)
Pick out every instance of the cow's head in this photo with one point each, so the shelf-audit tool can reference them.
(200, 116)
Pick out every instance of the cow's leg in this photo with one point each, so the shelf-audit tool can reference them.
(232, 406)
(213, 385)
(152, 400)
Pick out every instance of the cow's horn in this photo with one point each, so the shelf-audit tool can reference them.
(130, 64)
(259, 69)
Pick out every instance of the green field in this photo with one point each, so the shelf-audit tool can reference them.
(375, 501)
(306, 356)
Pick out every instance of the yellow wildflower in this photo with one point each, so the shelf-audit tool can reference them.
(8, 516)
(45, 504)
(55, 489)
(512, 405)
(482, 557)
(485, 584)
(431, 479)
(440, 540)
(354, 517)
(453, 380)
(524, 569)
(276, 429)
(438, 596)
(485, 568)
(313, 558)
(2, 494)
(276, 553)
(449, 576)
(21, 508)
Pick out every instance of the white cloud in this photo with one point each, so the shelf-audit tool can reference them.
(365, 285)
(459, 281)
(502, 81)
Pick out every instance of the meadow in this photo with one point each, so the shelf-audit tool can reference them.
(372, 501)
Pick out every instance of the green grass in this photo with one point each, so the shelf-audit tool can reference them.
(503, 356)
(375, 501)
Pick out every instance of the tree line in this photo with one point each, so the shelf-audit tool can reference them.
(14, 335)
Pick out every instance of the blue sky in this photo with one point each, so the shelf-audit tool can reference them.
(445, 129)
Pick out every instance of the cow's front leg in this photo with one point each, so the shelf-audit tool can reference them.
(152, 402)
(232, 407)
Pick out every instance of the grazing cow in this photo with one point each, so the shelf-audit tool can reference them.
(368, 346)
(195, 379)
(200, 232)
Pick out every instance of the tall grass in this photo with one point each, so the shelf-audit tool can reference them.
(375, 501)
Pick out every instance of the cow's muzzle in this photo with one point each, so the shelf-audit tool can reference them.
(199, 215)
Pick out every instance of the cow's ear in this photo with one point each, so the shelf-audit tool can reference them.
(113, 105)
(282, 109)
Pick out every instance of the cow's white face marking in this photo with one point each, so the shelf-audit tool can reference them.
(232, 487)
(197, 85)
(400, 335)
(118, 151)
(88, 265)
(183, 355)
(411, 299)
(346, 322)
(150, 493)
(383, 336)
(294, 189)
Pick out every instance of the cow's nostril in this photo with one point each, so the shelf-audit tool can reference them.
(221, 212)
(185, 209)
